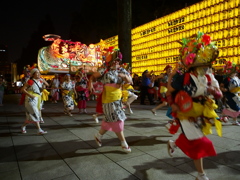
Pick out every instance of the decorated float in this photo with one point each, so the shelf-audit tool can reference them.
(65, 56)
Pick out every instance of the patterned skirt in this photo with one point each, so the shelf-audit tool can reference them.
(113, 111)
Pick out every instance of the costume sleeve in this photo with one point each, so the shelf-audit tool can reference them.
(214, 81)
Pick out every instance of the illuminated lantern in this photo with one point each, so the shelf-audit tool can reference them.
(205, 28)
(236, 12)
(225, 5)
(235, 50)
(236, 59)
(224, 52)
(224, 14)
(220, 52)
(234, 21)
(225, 33)
(235, 41)
(212, 9)
(230, 13)
(230, 51)
(217, 8)
(215, 26)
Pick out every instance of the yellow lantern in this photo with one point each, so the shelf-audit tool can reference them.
(224, 52)
(225, 24)
(220, 53)
(217, 8)
(230, 51)
(235, 50)
(212, 9)
(221, 25)
(235, 41)
(230, 13)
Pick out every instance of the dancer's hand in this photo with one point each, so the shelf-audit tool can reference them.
(174, 107)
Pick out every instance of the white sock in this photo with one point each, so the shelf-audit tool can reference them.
(124, 144)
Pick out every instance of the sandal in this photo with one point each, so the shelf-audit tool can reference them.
(99, 143)
(236, 123)
(42, 132)
(23, 130)
(126, 149)
(154, 112)
(170, 148)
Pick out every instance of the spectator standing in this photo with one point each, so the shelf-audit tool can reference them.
(145, 86)
(3, 85)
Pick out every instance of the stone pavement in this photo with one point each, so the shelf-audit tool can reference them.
(69, 152)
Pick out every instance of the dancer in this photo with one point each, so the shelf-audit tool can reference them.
(32, 89)
(112, 78)
(128, 96)
(97, 91)
(163, 88)
(82, 91)
(191, 104)
(68, 92)
(55, 88)
(231, 88)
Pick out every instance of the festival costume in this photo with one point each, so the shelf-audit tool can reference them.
(83, 94)
(163, 87)
(190, 98)
(111, 101)
(233, 100)
(98, 88)
(193, 142)
(33, 106)
(54, 89)
(68, 95)
(128, 95)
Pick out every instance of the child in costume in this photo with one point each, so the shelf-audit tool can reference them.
(128, 91)
(189, 97)
(128, 96)
(231, 89)
(163, 88)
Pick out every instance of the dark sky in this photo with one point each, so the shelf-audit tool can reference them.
(20, 19)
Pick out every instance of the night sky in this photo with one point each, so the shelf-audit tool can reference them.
(21, 19)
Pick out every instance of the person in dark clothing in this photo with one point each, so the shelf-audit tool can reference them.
(146, 84)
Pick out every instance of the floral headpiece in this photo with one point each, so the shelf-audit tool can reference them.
(115, 55)
(230, 67)
(198, 50)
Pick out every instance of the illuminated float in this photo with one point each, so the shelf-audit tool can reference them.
(65, 56)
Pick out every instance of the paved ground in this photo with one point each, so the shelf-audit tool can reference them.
(68, 151)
